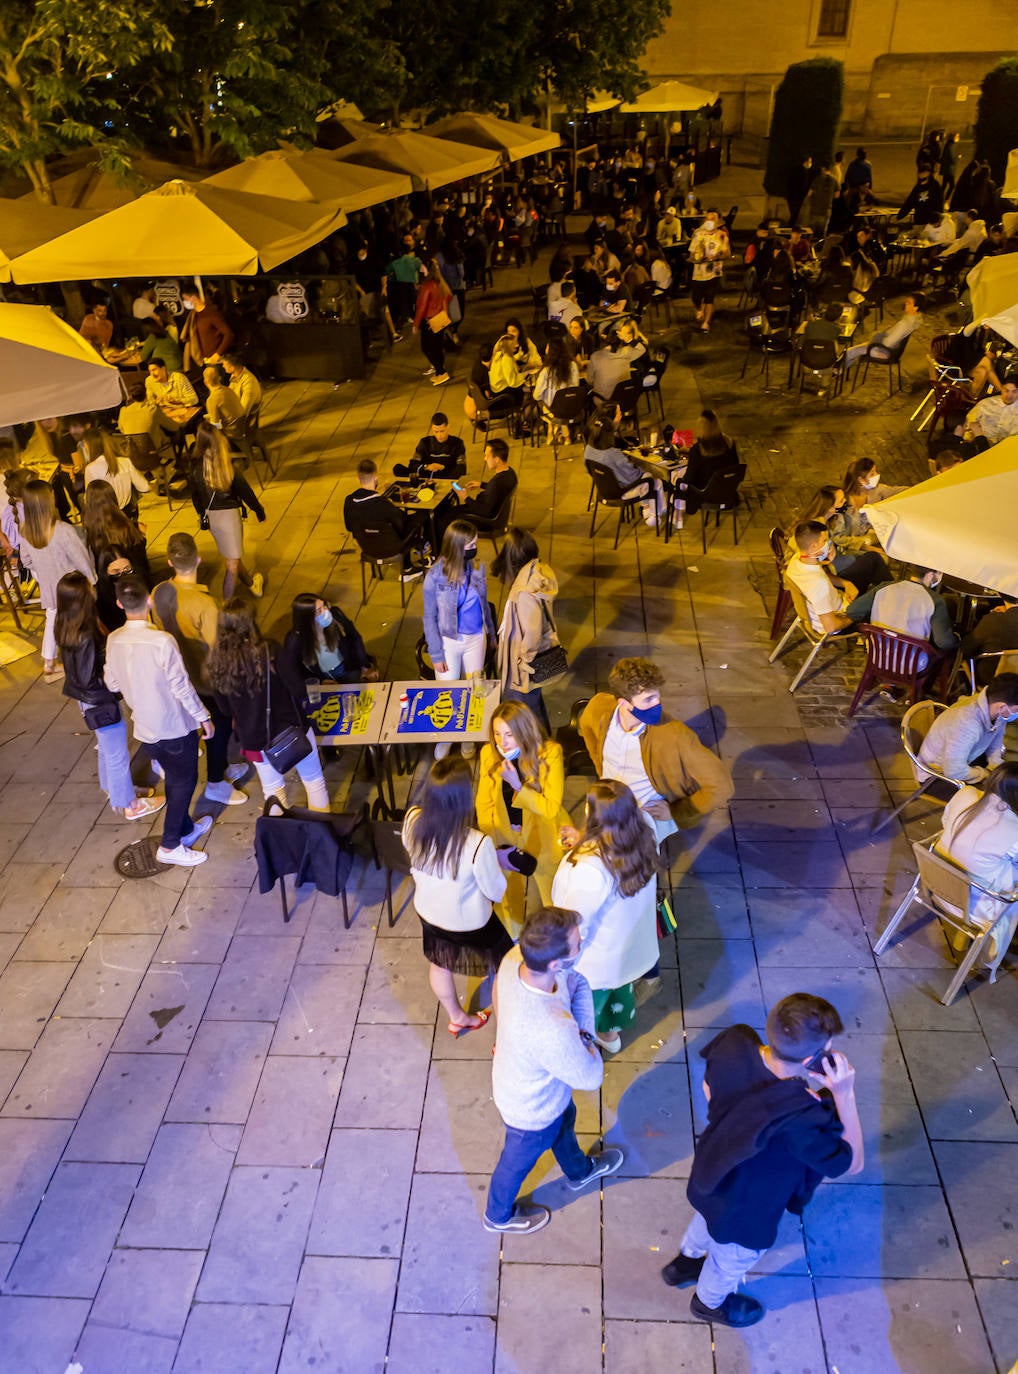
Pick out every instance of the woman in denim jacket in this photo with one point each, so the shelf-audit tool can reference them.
(457, 618)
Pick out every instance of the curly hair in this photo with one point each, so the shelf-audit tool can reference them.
(631, 676)
(616, 830)
(236, 662)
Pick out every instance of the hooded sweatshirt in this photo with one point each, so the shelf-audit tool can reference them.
(528, 625)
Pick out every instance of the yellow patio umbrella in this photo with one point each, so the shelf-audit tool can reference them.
(993, 286)
(87, 187)
(49, 369)
(485, 131)
(308, 176)
(597, 103)
(182, 229)
(670, 97)
(25, 224)
(1010, 191)
(429, 162)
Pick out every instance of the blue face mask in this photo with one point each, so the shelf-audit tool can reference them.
(510, 755)
(323, 619)
(648, 715)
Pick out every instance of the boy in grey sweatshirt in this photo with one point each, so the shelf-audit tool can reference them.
(544, 1049)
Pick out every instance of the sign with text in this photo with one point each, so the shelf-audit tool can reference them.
(448, 710)
(343, 714)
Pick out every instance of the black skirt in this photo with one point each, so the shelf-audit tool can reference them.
(475, 953)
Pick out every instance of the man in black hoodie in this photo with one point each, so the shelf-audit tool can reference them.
(781, 1118)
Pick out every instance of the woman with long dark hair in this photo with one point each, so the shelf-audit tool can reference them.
(525, 352)
(82, 644)
(108, 465)
(610, 877)
(457, 878)
(433, 297)
(49, 548)
(222, 496)
(528, 625)
(559, 371)
(323, 643)
(457, 618)
(242, 672)
(117, 546)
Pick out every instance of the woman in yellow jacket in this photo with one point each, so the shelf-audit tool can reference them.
(519, 804)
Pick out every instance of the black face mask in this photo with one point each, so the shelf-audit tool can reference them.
(469, 555)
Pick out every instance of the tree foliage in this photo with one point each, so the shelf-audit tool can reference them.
(997, 116)
(807, 112)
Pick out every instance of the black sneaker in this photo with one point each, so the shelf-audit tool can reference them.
(683, 1270)
(526, 1218)
(736, 1310)
(601, 1164)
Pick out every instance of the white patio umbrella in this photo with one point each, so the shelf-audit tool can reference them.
(1010, 191)
(961, 522)
(49, 369)
(670, 97)
(993, 286)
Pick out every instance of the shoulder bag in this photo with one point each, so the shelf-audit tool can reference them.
(291, 745)
(549, 665)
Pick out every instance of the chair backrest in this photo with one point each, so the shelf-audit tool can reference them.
(568, 403)
(479, 399)
(895, 656)
(659, 363)
(942, 883)
(607, 486)
(818, 354)
(915, 726)
(499, 522)
(387, 837)
(378, 545)
(940, 345)
(626, 395)
(722, 489)
(802, 613)
(778, 541)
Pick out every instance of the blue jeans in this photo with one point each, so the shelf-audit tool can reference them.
(179, 761)
(522, 1150)
(115, 764)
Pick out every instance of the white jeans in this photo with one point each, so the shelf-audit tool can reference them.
(49, 639)
(725, 1266)
(463, 655)
(309, 771)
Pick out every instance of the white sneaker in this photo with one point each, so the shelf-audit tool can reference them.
(233, 772)
(202, 826)
(441, 750)
(468, 750)
(225, 794)
(186, 858)
(257, 584)
(144, 806)
(430, 372)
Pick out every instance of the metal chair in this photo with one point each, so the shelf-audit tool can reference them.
(1005, 659)
(778, 541)
(720, 495)
(495, 525)
(818, 639)
(606, 490)
(894, 659)
(378, 551)
(950, 893)
(915, 726)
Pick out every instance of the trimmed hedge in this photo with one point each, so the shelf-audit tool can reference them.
(807, 112)
(997, 117)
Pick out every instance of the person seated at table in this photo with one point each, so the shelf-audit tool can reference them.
(855, 558)
(106, 464)
(368, 513)
(828, 597)
(886, 342)
(222, 406)
(912, 607)
(588, 284)
(97, 327)
(800, 248)
(243, 382)
(615, 297)
(827, 325)
(863, 486)
(669, 230)
(604, 261)
(940, 231)
(995, 633)
(485, 499)
(138, 415)
(637, 272)
(322, 643)
(143, 307)
(160, 344)
(438, 454)
(604, 447)
(712, 451)
(559, 371)
(993, 245)
(565, 307)
(660, 272)
(526, 353)
(582, 341)
(970, 731)
(992, 419)
(205, 331)
(505, 380)
(613, 362)
(171, 393)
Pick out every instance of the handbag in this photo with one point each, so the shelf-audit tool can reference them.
(291, 745)
(439, 322)
(549, 665)
(99, 717)
(666, 922)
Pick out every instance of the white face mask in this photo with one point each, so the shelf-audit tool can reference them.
(868, 483)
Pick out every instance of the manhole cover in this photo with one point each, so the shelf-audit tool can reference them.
(139, 860)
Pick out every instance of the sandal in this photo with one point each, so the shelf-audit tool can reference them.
(456, 1031)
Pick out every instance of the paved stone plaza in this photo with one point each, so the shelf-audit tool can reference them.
(233, 1146)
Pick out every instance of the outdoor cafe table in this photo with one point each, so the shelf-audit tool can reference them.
(440, 712)
(422, 500)
(345, 714)
(668, 470)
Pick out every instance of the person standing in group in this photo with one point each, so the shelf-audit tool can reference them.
(431, 319)
(82, 644)
(188, 611)
(117, 546)
(222, 496)
(770, 1141)
(242, 672)
(610, 878)
(544, 1050)
(457, 617)
(457, 878)
(48, 548)
(708, 249)
(145, 666)
(519, 803)
(528, 626)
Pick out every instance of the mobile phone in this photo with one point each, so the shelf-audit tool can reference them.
(456, 486)
(820, 1061)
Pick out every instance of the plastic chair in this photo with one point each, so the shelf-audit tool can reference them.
(495, 525)
(892, 362)
(627, 397)
(245, 436)
(487, 420)
(894, 659)
(378, 551)
(653, 378)
(915, 726)
(568, 407)
(720, 495)
(818, 639)
(950, 893)
(817, 356)
(575, 754)
(390, 855)
(778, 541)
(606, 490)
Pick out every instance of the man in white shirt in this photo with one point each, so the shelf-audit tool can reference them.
(564, 308)
(811, 570)
(969, 239)
(143, 306)
(545, 1048)
(971, 729)
(243, 382)
(145, 665)
(912, 607)
(993, 419)
(886, 341)
(940, 231)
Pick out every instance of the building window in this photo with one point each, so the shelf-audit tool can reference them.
(833, 21)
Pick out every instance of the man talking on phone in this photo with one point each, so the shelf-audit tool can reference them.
(781, 1118)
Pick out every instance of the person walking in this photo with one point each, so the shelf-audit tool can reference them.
(457, 617)
(82, 643)
(431, 319)
(48, 548)
(243, 674)
(770, 1140)
(456, 877)
(222, 497)
(117, 546)
(544, 1050)
(144, 665)
(528, 626)
(610, 878)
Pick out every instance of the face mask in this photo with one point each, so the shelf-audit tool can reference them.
(564, 965)
(323, 619)
(510, 755)
(189, 305)
(868, 483)
(648, 715)
(469, 554)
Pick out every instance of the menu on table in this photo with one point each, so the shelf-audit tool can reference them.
(443, 709)
(344, 714)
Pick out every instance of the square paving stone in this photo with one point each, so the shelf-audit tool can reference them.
(888, 1232)
(66, 924)
(181, 1187)
(385, 1078)
(534, 1298)
(997, 1302)
(108, 976)
(808, 929)
(93, 864)
(70, 1239)
(788, 1337)
(28, 994)
(259, 1238)
(918, 943)
(362, 1198)
(574, 1236)
(221, 1072)
(996, 1007)
(461, 1130)
(11, 1064)
(148, 1291)
(645, 1112)
(643, 1225)
(958, 1087)
(139, 909)
(914, 997)
(24, 802)
(62, 1068)
(231, 861)
(857, 993)
(813, 863)
(165, 1014)
(711, 909)
(319, 1010)
(424, 1344)
(896, 1145)
(720, 984)
(911, 1325)
(58, 834)
(201, 927)
(231, 1338)
(982, 1191)
(122, 1115)
(292, 1112)
(254, 977)
(397, 989)
(328, 941)
(26, 888)
(450, 1263)
(29, 1152)
(639, 1347)
(110, 1350)
(40, 1334)
(767, 821)
(340, 1317)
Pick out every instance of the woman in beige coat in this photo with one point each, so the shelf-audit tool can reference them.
(528, 625)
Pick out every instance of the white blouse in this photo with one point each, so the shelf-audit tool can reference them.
(462, 901)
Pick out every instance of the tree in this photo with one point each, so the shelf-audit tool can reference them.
(997, 117)
(807, 112)
(61, 69)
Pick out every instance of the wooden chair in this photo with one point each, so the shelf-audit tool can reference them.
(894, 659)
